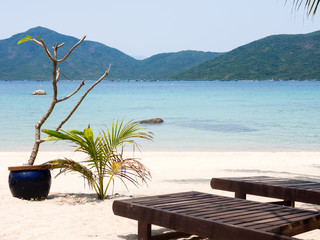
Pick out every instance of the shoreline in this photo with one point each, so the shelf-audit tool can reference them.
(73, 211)
(163, 150)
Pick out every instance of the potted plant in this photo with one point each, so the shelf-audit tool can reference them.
(105, 160)
(33, 181)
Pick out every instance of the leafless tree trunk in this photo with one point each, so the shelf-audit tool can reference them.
(54, 101)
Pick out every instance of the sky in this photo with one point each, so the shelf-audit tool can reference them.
(142, 28)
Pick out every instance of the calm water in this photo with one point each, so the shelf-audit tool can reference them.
(198, 115)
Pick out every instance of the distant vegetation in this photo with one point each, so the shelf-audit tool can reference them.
(164, 65)
(281, 57)
(89, 61)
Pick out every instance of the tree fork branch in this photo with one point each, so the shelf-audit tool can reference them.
(63, 99)
(84, 95)
(42, 44)
(37, 42)
(71, 50)
(60, 45)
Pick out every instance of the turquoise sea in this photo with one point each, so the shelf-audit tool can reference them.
(198, 115)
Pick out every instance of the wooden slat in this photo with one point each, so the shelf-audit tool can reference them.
(273, 181)
(214, 211)
(198, 204)
(237, 217)
(259, 222)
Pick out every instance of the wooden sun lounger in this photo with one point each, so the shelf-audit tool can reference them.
(289, 190)
(216, 217)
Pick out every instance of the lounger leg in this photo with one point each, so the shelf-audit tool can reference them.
(289, 203)
(240, 195)
(144, 231)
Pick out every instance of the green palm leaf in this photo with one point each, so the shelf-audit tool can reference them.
(68, 165)
(310, 5)
(104, 162)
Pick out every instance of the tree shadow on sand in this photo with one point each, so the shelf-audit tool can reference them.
(74, 198)
(82, 198)
(159, 233)
(189, 180)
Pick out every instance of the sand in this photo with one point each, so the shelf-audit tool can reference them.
(72, 210)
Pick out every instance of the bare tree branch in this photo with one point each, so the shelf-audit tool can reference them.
(71, 50)
(37, 42)
(66, 77)
(39, 124)
(62, 44)
(63, 99)
(55, 51)
(84, 95)
(55, 77)
(42, 44)
(58, 75)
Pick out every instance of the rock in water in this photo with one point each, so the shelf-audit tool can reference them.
(152, 121)
(39, 92)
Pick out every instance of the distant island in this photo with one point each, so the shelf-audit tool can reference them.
(278, 57)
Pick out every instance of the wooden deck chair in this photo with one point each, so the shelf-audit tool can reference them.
(216, 217)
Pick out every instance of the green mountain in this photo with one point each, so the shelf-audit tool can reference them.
(165, 65)
(281, 57)
(28, 61)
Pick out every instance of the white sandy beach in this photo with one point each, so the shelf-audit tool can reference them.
(72, 210)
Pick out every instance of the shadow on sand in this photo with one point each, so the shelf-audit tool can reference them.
(80, 198)
(169, 233)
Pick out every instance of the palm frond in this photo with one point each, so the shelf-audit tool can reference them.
(121, 134)
(105, 162)
(311, 6)
(68, 165)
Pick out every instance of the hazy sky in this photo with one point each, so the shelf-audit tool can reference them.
(148, 27)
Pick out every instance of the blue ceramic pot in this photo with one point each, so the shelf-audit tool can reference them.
(30, 184)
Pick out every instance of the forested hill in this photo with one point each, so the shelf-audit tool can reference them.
(28, 61)
(165, 65)
(281, 57)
